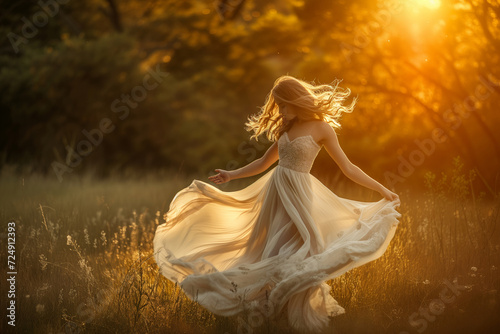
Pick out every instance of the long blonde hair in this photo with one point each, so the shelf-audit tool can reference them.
(320, 102)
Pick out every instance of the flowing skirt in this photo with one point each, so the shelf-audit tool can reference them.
(270, 245)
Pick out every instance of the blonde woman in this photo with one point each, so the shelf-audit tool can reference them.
(272, 245)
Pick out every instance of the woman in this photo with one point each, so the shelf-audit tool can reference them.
(274, 243)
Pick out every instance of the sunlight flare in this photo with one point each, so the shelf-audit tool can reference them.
(431, 4)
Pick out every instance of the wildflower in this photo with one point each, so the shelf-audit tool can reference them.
(43, 261)
(87, 240)
(72, 294)
(86, 268)
(103, 238)
(473, 268)
(123, 231)
(493, 268)
(396, 312)
(436, 306)
(40, 308)
(60, 299)
(107, 273)
(69, 240)
(426, 282)
(82, 263)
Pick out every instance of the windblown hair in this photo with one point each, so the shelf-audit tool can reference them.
(320, 102)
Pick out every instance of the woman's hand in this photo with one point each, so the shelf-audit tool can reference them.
(223, 176)
(389, 195)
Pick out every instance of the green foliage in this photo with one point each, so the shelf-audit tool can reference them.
(411, 77)
(53, 93)
(455, 182)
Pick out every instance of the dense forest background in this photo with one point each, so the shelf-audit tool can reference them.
(112, 87)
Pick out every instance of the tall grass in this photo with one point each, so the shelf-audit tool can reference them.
(84, 263)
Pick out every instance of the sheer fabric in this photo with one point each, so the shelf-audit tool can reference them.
(272, 244)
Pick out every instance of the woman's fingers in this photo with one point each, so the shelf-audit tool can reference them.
(220, 177)
(215, 178)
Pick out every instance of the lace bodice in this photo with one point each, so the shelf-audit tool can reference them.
(298, 154)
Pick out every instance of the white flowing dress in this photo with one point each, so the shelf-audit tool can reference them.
(272, 244)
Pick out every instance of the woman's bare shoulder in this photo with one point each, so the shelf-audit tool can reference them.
(319, 126)
(322, 131)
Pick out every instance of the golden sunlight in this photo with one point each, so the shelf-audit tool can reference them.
(431, 4)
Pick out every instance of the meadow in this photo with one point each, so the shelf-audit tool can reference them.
(84, 262)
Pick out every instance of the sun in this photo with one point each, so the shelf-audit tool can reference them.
(431, 4)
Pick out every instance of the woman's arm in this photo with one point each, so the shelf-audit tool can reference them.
(329, 139)
(255, 167)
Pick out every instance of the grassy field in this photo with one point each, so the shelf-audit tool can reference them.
(84, 263)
